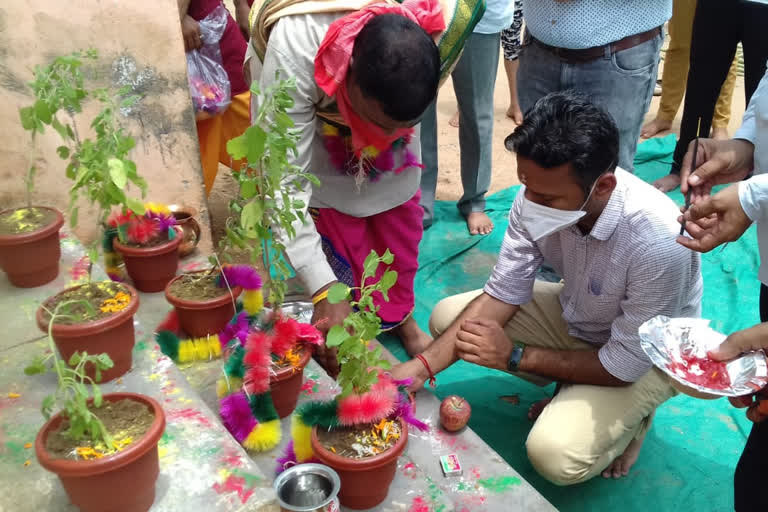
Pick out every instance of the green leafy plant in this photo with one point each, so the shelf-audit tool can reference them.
(360, 365)
(71, 395)
(57, 87)
(265, 184)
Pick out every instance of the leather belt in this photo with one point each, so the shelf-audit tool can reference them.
(596, 52)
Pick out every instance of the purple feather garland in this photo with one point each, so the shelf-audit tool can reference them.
(235, 330)
(244, 276)
(237, 416)
(164, 221)
(404, 411)
(288, 459)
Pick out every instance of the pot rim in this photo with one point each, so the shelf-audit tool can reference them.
(148, 252)
(289, 371)
(84, 468)
(38, 234)
(199, 304)
(93, 326)
(306, 468)
(347, 464)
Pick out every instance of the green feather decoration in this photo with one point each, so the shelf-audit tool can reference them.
(322, 414)
(169, 344)
(234, 366)
(262, 407)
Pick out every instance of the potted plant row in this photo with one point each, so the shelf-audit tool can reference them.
(102, 448)
(364, 430)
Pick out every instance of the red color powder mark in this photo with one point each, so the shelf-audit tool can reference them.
(309, 386)
(231, 459)
(475, 472)
(188, 415)
(80, 269)
(234, 484)
(409, 470)
(194, 265)
(703, 372)
(419, 505)
(452, 441)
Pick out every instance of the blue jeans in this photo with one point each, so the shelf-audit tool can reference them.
(474, 79)
(621, 83)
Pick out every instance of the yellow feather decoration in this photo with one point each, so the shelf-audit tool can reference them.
(199, 349)
(302, 439)
(264, 436)
(227, 385)
(253, 301)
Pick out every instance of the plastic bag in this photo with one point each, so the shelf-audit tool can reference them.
(208, 81)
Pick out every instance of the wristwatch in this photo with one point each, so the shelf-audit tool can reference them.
(515, 357)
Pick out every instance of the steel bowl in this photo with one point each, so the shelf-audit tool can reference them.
(299, 310)
(307, 488)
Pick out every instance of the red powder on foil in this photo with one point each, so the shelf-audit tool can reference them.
(703, 372)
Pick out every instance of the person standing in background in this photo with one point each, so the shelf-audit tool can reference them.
(474, 79)
(608, 50)
(675, 73)
(510, 43)
(736, 21)
(213, 133)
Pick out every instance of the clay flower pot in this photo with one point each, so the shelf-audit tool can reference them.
(199, 318)
(151, 268)
(364, 482)
(285, 385)
(123, 482)
(112, 335)
(185, 218)
(32, 259)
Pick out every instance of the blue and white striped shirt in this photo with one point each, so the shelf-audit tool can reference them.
(578, 24)
(627, 270)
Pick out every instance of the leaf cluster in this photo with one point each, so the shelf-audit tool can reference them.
(266, 182)
(360, 365)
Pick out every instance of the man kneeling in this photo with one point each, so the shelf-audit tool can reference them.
(611, 237)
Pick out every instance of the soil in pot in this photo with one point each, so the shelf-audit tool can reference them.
(101, 323)
(202, 307)
(360, 442)
(287, 378)
(122, 481)
(25, 220)
(370, 461)
(126, 421)
(29, 245)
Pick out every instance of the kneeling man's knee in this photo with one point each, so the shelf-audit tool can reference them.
(555, 458)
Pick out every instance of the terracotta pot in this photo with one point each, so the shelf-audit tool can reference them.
(32, 259)
(112, 335)
(285, 385)
(199, 318)
(123, 482)
(151, 268)
(185, 218)
(364, 482)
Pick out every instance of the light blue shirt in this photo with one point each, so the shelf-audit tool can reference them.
(578, 24)
(498, 16)
(753, 193)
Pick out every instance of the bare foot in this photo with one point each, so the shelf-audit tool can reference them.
(479, 223)
(720, 133)
(654, 127)
(668, 183)
(454, 120)
(535, 410)
(414, 339)
(515, 114)
(623, 463)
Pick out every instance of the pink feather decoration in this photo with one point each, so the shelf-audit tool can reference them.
(369, 407)
(170, 323)
(285, 335)
(244, 276)
(257, 361)
(404, 411)
(309, 333)
(237, 416)
(237, 330)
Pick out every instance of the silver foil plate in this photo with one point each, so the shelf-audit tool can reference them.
(299, 310)
(666, 340)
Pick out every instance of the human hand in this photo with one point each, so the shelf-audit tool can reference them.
(190, 29)
(325, 316)
(414, 370)
(242, 11)
(717, 162)
(714, 220)
(483, 342)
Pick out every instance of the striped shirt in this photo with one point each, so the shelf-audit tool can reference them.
(627, 270)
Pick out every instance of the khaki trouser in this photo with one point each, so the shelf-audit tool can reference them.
(584, 428)
(676, 62)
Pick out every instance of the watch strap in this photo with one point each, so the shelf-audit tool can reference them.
(515, 357)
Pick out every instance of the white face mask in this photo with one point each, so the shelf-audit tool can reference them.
(541, 221)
